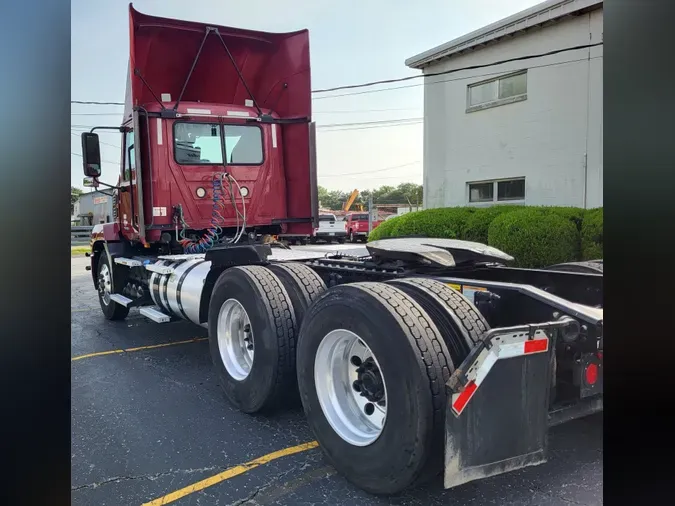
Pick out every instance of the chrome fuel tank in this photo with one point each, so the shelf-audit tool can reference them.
(179, 292)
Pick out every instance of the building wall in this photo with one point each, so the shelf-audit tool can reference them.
(553, 138)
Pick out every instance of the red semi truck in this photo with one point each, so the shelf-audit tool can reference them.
(410, 357)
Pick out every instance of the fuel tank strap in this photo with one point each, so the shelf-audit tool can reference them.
(180, 284)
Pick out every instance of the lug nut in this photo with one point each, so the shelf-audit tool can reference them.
(249, 347)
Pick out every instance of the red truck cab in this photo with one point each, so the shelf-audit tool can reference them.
(356, 225)
(217, 138)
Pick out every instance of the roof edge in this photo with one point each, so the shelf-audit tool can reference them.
(547, 11)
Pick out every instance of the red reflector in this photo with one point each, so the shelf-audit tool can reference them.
(600, 355)
(591, 374)
(535, 345)
(464, 397)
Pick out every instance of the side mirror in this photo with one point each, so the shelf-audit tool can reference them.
(89, 182)
(91, 153)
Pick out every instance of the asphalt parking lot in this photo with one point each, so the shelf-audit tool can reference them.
(150, 426)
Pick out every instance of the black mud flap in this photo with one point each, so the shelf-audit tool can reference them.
(497, 417)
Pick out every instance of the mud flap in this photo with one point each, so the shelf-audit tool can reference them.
(497, 419)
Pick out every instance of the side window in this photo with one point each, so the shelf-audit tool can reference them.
(129, 155)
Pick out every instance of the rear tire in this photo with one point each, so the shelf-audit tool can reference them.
(111, 309)
(270, 380)
(303, 285)
(414, 364)
(460, 323)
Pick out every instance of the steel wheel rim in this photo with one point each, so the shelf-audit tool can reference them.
(104, 284)
(357, 419)
(235, 339)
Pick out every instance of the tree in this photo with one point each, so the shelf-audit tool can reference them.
(404, 193)
(74, 196)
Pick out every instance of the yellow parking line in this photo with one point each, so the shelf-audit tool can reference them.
(140, 348)
(230, 473)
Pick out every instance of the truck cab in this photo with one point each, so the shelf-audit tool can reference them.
(217, 145)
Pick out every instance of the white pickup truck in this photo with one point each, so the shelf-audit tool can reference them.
(330, 229)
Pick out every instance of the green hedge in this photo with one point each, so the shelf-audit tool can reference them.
(443, 222)
(477, 224)
(591, 234)
(534, 236)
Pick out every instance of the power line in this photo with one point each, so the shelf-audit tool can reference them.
(101, 142)
(402, 124)
(417, 76)
(330, 126)
(452, 71)
(96, 114)
(106, 161)
(352, 111)
(373, 171)
(91, 102)
(366, 123)
(441, 81)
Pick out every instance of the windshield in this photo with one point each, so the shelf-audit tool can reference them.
(359, 217)
(202, 144)
(326, 217)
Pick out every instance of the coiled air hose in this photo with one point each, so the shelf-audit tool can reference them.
(213, 233)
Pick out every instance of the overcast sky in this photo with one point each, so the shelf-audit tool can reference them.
(351, 41)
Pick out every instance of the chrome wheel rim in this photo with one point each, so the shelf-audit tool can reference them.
(104, 284)
(350, 387)
(235, 339)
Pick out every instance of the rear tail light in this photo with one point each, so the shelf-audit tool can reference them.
(591, 374)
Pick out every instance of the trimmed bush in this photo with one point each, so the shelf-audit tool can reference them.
(384, 229)
(591, 234)
(573, 214)
(477, 224)
(535, 237)
(448, 222)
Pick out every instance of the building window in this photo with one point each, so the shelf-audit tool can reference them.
(481, 192)
(499, 91)
(504, 190)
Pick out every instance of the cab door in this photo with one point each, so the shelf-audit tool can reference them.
(128, 206)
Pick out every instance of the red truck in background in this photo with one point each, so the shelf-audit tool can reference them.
(356, 225)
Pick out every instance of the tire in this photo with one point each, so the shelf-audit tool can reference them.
(271, 379)
(352, 237)
(460, 323)
(302, 284)
(111, 310)
(341, 241)
(414, 362)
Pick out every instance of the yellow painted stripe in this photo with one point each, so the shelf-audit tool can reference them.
(140, 348)
(230, 473)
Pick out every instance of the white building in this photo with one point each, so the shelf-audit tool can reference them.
(526, 131)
